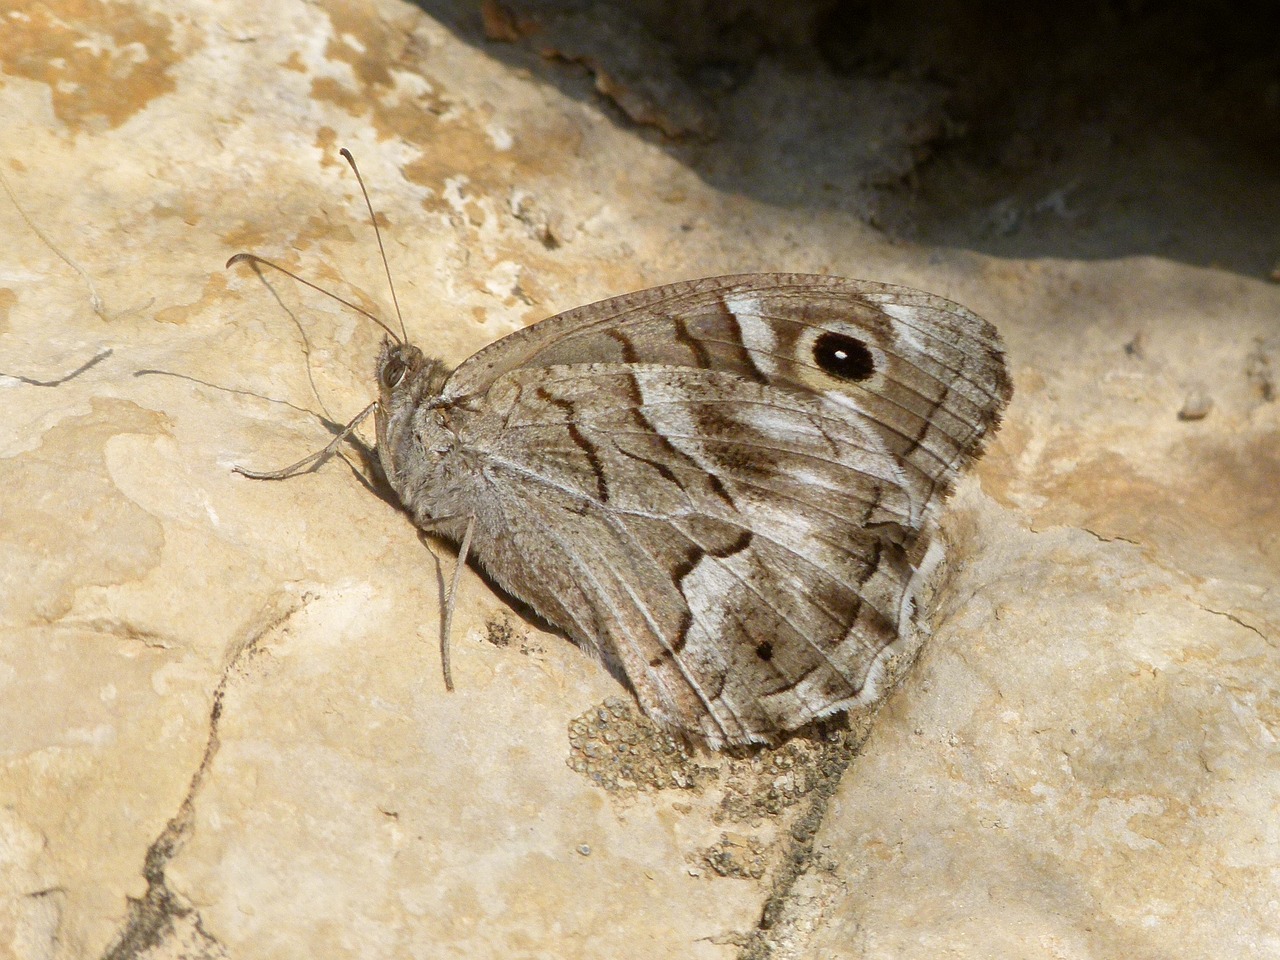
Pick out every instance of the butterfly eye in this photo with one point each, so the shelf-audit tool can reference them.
(393, 372)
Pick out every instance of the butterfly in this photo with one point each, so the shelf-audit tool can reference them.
(725, 489)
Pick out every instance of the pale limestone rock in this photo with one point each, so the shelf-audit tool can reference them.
(222, 721)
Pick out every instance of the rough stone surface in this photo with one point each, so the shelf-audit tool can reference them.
(223, 730)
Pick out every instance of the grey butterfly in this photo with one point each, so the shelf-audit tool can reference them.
(723, 488)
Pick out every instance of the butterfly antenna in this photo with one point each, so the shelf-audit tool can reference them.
(254, 259)
(346, 155)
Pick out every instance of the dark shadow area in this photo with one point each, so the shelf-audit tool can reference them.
(1100, 129)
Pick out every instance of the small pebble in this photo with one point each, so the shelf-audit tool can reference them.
(1196, 406)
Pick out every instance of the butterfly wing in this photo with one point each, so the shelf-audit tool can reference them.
(739, 552)
(929, 373)
(720, 485)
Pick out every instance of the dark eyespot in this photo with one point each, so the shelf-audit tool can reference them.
(764, 651)
(844, 357)
(393, 372)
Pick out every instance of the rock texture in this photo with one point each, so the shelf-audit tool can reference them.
(223, 731)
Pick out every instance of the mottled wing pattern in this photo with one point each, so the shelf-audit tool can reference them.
(737, 550)
(928, 373)
(723, 485)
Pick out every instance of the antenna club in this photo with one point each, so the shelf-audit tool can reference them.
(255, 259)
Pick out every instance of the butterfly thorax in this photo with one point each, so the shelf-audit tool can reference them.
(416, 446)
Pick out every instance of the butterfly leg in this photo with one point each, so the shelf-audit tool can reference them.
(463, 550)
(316, 460)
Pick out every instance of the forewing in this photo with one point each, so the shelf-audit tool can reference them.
(928, 374)
(738, 550)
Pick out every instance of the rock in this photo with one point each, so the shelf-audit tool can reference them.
(224, 727)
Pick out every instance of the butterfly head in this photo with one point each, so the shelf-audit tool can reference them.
(407, 382)
(398, 364)
(406, 378)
